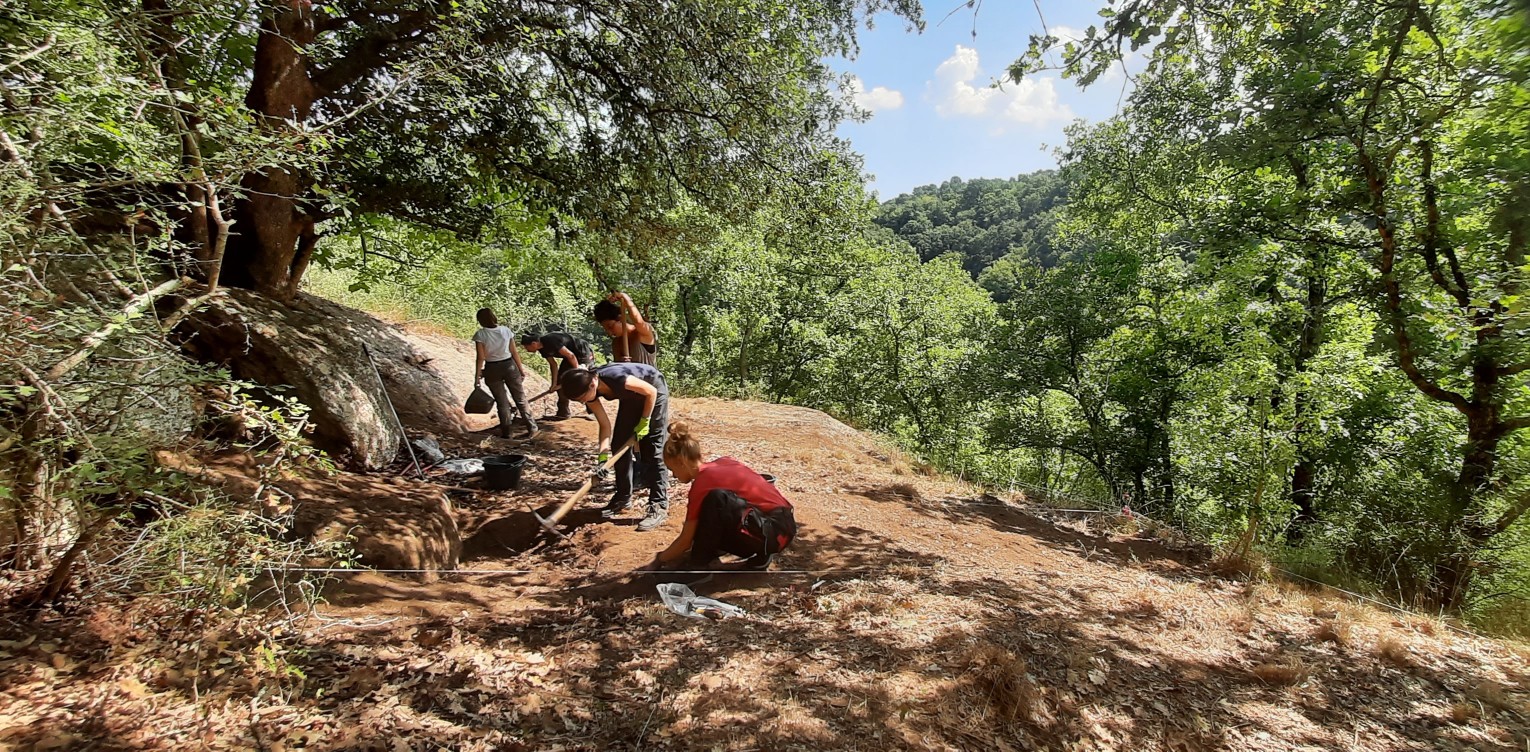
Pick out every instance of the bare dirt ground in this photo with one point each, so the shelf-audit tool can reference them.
(912, 612)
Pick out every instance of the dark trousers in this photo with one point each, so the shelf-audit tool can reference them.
(722, 527)
(650, 453)
(504, 381)
(563, 367)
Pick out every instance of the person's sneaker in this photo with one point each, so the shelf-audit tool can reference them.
(558, 417)
(655, 518)
(531, 431)
(615, 507)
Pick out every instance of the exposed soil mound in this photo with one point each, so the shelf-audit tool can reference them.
(391, 522)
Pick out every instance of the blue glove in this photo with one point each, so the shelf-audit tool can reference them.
(641, 430)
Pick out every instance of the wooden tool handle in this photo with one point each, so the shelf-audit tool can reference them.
(589, 484)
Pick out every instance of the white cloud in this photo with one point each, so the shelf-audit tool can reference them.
(1066, 34)
(878, 99)
(1033, 101)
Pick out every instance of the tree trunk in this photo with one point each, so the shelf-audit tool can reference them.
(688, 334)
(1164, 456)
(1304, 471)
(1453, 572)
(266, 253)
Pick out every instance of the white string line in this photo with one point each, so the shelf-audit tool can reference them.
(474, 572)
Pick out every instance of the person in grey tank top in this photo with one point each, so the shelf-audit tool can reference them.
(633, 338)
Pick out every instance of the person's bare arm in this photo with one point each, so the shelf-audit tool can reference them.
(571, 358)
(481, 355)
(644, 329)
(552, 372)
(603, 444)
(516, 353)
(681, 546)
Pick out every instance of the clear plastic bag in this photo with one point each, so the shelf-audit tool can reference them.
(464, 466)
(683, 601)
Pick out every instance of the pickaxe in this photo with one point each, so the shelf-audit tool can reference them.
(549, 522)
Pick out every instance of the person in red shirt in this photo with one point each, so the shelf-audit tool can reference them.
(730, 509)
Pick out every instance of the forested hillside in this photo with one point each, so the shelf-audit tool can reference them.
(982, 221)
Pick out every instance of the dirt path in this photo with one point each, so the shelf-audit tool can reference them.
(911, 613)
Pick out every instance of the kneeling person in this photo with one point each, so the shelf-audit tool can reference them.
(642, 413)
(730, 509)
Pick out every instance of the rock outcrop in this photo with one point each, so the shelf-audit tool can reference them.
(312, 349)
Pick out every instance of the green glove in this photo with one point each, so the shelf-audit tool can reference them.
(600, 470)
(602, 457)
(641, 430)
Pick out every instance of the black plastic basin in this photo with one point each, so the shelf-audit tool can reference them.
(502, 472)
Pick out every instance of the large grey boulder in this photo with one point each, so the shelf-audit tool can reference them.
(312, 349)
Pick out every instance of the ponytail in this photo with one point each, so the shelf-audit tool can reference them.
(683, 444)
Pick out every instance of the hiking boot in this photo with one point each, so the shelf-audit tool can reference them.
(615, 507)
(504, 431)
(656, 517)
(531, 430)
(557, 417)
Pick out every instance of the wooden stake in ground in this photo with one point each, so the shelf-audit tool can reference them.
(584, 490)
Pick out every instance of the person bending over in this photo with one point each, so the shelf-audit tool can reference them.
(730, 509)
(563, 352)
(499, 364)
(633, 338)
(642, 413)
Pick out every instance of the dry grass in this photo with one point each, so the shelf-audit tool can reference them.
(1142, 605)
(1335, 630)
(874, 598)
(1284, 673)
(1242, 619)
(1120, 525)
(1394, 652)
(1007, 687)
(906, 490)
(1464, 712)
(1496, 696)
(1250, 567)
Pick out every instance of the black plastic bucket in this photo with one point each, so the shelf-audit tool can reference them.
(502, 472)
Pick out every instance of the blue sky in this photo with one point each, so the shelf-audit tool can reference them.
(934, 115)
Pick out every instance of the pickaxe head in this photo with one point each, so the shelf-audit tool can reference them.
(549, 525)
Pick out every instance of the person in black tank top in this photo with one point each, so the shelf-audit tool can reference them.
(642, 400)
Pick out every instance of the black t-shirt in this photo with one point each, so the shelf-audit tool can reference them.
(614, 376)
(554, 342)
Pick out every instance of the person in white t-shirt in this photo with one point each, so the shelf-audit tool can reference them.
(499, 365)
